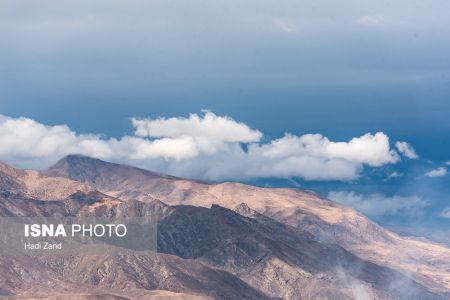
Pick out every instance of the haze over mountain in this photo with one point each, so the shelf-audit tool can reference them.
(224, 241)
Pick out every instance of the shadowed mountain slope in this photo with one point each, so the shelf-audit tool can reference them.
(215, 252)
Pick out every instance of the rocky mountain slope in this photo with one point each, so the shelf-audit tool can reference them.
(219, 241)
(327, 221)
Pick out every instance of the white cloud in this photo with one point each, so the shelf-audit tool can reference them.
(439, 172)
(208, 126)
(395, 174)
(167, 148)
(202, 146)
(372, 20)
(378, 204)
(286, 25)
(25, 139)
(406, 149)
(373, 150)
(445, 213)
(447, 163)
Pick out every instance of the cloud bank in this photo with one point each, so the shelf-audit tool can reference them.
(204, 146)
(378, 204)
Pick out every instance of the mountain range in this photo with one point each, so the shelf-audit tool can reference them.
(214, 241)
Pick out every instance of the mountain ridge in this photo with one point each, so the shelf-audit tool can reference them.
(328, 221)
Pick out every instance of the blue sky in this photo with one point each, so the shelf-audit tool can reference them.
(338, 69)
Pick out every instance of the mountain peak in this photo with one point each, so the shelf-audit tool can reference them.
(76, 159)
(96, 171)
(74, 166)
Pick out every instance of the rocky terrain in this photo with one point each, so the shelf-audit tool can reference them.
(214, 241)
